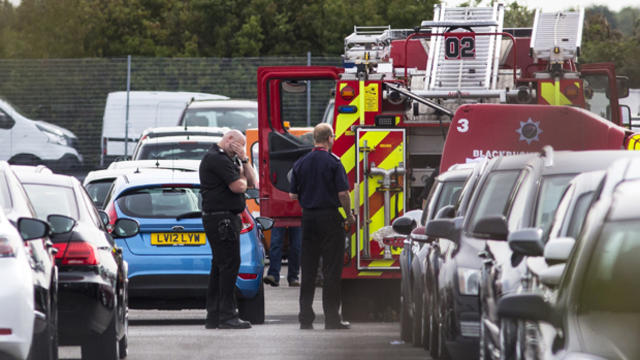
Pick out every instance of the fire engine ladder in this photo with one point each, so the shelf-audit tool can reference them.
(465, 77)
(557, 36)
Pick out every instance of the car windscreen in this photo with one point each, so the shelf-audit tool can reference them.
(233, 118)
(98, 191)
(173, 151)
(5, 196)
(168, 201)
(493, 196)
(608, 305)
(549, 196)
(50, 199)
(449, 195)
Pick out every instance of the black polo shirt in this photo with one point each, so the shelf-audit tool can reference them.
(217, 171)
(317, 178)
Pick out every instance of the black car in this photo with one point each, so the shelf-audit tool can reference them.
(92, 298)
(445, 191)
(454, 279)
(16, 205)
(596, 312)
(532, 209)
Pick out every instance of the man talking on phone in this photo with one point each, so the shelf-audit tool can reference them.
(225, 175)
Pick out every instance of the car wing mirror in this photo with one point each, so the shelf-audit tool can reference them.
(104, 217)
(526, 307)
(440, 228)
(418, 235)
(265, 223)
(446, 212)
(552, 275)
(124, 228)
(30, 228)
(558, 250)
(60, 224)
(527, 242)
(252, 194)
(404, 225)
(492, 227)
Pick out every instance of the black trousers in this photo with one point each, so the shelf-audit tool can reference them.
(223, 234)
(322, 235)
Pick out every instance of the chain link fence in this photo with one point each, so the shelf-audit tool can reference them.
(71, 93)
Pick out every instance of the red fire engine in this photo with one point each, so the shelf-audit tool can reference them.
(460, 83)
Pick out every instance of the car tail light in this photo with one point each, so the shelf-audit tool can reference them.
(113, 215)
(6, 250)
(6, 331)
(247, 222)
(76, 253)
(246, 276)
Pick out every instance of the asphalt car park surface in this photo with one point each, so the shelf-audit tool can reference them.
(181, 334)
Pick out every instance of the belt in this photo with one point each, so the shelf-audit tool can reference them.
(212, 213)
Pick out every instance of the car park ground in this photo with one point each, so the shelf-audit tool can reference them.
(171, 335)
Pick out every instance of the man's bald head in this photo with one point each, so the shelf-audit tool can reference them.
(322, 134)
(230, 137)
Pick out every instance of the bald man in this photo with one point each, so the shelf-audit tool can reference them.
(225, 174)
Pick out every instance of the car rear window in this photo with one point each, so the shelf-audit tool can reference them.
(173, 151)
(51, 199)
(167, 201)
(98, 191)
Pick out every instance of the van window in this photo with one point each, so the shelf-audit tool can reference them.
(233, 118)
(6, 121)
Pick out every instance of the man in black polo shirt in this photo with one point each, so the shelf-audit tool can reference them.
(320, 183)
(225, 174)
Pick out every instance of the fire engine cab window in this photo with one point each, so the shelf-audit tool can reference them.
(596, 95)
(304, 102)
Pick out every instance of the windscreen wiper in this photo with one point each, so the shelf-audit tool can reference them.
(189, 215)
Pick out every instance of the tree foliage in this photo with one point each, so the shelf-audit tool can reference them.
(252, 28)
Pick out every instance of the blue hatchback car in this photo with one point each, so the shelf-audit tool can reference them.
(169, 260)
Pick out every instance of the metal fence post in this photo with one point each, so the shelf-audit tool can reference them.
(308, 92)
(126, 117)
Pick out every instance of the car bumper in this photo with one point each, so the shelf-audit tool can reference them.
(84, 307)
(172, 277)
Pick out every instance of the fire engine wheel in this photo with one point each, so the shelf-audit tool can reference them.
(362, 300)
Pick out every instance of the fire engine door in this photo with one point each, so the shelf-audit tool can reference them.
(379, 188)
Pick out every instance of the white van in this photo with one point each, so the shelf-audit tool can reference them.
(146, 109)
(31, 142)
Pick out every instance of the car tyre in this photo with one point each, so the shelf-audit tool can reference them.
(45, 344)
(102, 346)
(416, 338)
(425, 320)
(405, 324)
(433, 328)
(252, 310)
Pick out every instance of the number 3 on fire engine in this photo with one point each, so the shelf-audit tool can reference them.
(463, 125)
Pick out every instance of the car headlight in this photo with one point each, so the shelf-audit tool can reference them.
(468, 281)
(54, 137)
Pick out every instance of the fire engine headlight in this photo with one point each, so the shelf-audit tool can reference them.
(468, 281)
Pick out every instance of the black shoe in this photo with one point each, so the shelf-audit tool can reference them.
(271, 280)
(210, 325)
(342, 325)
(235, 323)
(294, 283)
(308, 326)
